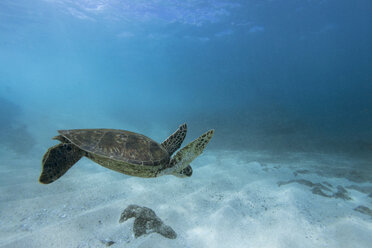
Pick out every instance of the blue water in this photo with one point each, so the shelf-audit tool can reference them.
(266, 74)
(287, 86)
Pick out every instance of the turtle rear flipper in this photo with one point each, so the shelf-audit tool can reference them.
(186, 155)
(175, 140)
(57, 160)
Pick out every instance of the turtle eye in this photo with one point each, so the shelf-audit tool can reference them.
(187, 171)
(67, 146)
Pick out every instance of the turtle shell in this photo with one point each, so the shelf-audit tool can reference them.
(119, 145)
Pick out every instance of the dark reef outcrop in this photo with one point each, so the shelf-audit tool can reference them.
(320, 189)
(146, 222)
(363, 210)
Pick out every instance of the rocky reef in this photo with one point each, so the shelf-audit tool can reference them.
(364, 210)
(321, 189)
(146, 222)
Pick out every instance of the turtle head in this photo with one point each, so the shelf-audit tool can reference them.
(186, 172)
(180, 163)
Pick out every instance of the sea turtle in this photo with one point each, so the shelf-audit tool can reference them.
(122, 151)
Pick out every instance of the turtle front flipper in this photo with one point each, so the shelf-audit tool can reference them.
(57, 160)
(175, 140)
(180, 162)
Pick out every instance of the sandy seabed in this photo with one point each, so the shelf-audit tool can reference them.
(233, 199)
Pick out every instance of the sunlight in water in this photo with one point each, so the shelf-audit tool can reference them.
(129, 89)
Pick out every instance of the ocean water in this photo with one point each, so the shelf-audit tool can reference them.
(286, 85)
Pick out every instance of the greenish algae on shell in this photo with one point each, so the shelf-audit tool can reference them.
(122, 151)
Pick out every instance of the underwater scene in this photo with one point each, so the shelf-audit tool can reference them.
(186, 124)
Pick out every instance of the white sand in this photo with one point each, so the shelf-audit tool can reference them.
(232, 200)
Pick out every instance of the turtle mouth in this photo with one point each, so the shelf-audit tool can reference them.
(186, 171)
